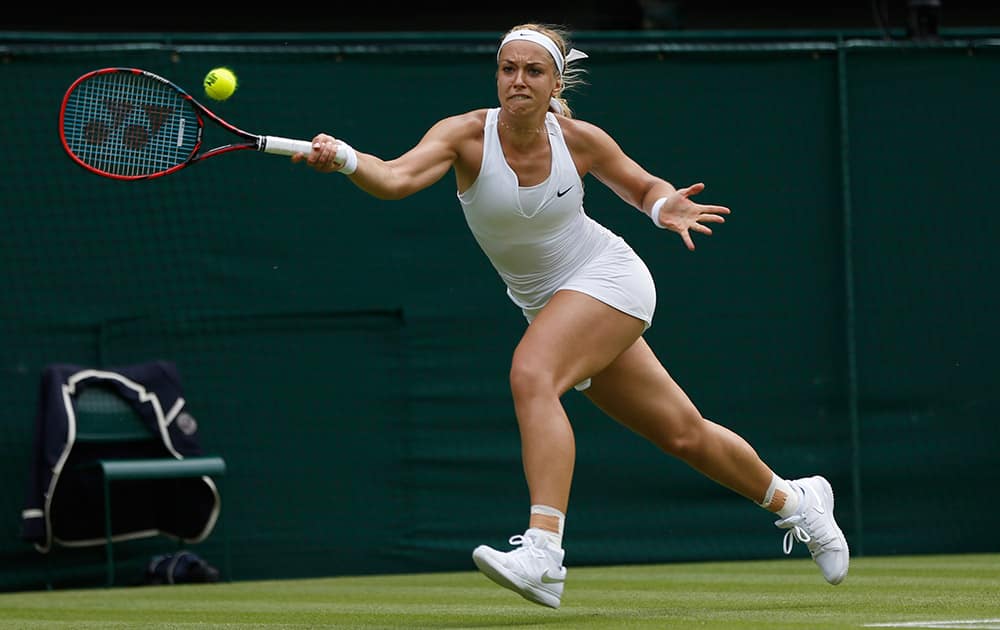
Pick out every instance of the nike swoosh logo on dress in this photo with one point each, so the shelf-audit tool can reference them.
(563, 192)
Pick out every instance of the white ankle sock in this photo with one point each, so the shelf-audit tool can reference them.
(781, 494)
(554, 538)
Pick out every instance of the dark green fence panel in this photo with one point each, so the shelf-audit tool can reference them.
(924, 170)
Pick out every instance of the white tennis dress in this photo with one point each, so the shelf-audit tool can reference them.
(540, 240)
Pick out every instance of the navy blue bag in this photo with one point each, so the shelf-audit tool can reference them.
(180, 568)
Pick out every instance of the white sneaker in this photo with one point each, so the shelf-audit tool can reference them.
(814, 525)
(534, 570)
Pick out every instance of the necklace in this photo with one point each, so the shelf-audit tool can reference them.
(516, 130)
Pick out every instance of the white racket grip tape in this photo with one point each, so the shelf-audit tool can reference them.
(286, 146)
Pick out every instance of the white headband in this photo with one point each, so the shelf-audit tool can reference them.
(545, 42)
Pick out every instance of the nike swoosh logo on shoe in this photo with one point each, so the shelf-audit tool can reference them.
(550, 580)
(819, 502)
(563, 192)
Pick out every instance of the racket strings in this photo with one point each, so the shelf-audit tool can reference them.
(130, 125)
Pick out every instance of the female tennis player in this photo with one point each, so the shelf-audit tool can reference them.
(587, 296)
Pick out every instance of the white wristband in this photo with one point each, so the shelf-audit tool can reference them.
(347, 156)
(654, 213)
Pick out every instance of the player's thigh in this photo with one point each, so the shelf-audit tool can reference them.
(638, 392)
(574, 337)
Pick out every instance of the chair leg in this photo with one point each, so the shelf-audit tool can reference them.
(48, 570)
(225, 541)
(107, 533)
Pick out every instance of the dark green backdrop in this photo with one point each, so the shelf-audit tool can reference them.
(348, 356)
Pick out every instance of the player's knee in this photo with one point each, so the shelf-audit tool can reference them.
(529, 378)
(688, 438)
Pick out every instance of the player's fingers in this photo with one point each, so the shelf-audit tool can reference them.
(693, 189)
(324, 150)
(686, 236)
(702, 229)
(322, 140)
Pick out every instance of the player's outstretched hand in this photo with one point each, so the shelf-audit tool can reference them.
(682, 215)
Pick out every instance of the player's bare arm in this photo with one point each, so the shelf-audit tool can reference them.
(596, 152)
(415, 170)
(669, 207)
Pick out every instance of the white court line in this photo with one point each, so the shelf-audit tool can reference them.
(964, 624)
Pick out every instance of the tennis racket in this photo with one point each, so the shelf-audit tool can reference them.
(130, 124)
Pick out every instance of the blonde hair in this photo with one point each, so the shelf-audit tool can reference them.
(573, 74)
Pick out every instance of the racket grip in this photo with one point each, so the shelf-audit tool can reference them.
(285, 146)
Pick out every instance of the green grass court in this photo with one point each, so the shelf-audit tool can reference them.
(942, 591)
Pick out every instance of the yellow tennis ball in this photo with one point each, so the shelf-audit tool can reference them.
(220, 83)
